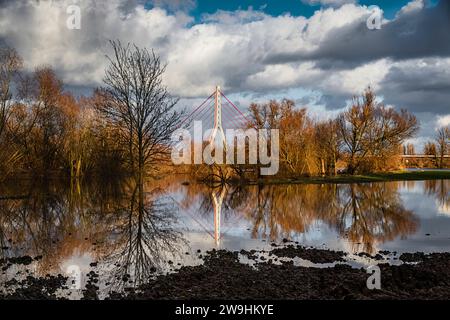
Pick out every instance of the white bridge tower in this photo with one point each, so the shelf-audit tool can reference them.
(218, 120)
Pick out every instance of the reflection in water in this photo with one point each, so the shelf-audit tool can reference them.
(217, 202)
(440, 189)
(116, 222)
(144, 236)
(371, 214)
(134, 229)
(363, 213)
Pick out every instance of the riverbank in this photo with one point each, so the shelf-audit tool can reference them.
(223, 276)
(343, 178)
(418, 175)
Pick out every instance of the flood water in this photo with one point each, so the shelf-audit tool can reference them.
(135, 230)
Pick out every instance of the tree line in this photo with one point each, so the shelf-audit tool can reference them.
(125, 126)
(366, 137)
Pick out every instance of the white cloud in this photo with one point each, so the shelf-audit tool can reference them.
(411, 7)
(328, 2)
(79, 55)
(229, 49)
(283, 75)
(443, 121)
(358, 79)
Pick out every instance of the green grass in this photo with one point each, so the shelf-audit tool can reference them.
(375, 177)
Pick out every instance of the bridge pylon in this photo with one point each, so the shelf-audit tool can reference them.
(218, 128)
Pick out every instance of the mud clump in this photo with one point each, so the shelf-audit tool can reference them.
(412, 257)
(377, 256)
(25, 260)
(420, 257)
(313, 255)
(31, 288)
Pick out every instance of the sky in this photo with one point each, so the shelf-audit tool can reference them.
(318, 53)
(304, 8)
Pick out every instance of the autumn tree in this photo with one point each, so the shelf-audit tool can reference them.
(372, 133)
(296, 132)
(43, 123)
(328, 145)
(50, 120)
(137, 105)
(80, 142)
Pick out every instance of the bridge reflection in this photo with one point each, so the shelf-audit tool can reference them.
(364, 214)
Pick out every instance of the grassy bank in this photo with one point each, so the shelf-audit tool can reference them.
(375, 177)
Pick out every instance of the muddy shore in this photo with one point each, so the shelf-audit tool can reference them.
(223, 276)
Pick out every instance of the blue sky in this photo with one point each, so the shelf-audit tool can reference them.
(293, 7)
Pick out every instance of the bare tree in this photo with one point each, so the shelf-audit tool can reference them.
(138, 105)
(443, 143)
(409, 149)
(10, 64)
(430, 149)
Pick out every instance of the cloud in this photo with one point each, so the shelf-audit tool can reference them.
(411, 7)
(328, 2)
(79, 55)
(443, 121)
(412, 34)
(175, 5)
(242, 50)
(419, 85)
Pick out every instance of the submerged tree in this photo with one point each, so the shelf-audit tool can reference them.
(50, 120)
(138, 106)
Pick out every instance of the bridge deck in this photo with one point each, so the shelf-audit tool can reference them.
(423, 156)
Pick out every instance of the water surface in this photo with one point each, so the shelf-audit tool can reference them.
(131, 230)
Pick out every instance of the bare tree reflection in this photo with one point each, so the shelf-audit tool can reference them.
(145, 237)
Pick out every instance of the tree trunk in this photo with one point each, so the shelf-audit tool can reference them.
(322, 162)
